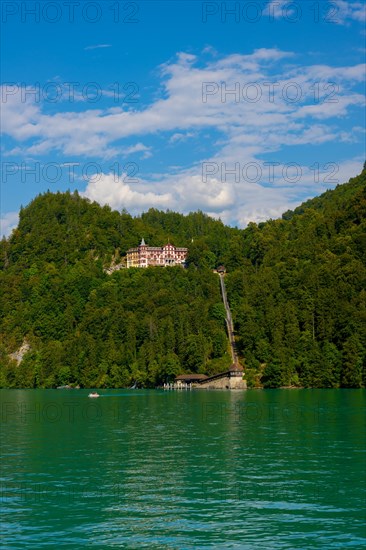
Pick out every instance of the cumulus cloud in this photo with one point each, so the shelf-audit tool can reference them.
(236, 198)
(187, 192)
(234, 202)
(119, 193)
(8, 222)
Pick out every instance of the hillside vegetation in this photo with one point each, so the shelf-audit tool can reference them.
(299, 301)
(296, 287)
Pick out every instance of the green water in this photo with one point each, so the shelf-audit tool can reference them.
(153, 469)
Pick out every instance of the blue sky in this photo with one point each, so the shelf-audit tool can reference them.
(240, 109)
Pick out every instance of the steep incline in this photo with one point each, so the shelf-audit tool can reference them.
(229, 322)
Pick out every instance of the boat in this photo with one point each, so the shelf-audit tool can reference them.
(93, 394)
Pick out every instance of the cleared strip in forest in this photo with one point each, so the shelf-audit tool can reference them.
(229, 321)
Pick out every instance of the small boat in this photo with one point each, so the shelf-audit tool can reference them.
(93, 394)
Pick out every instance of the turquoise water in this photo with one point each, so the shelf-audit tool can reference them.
(180, 470)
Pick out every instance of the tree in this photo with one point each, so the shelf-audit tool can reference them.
(274, 375)
(352, 362)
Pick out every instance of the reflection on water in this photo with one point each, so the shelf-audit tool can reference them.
(199, 469)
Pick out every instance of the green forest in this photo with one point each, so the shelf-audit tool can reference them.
(296, 286)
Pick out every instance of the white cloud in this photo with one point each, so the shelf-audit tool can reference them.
(138, 148)
(179, 137)
(98, 46)
(225, 94)
(246, 130)
(184, 192)
(343, 11)
(279, 8)
(327, 110)
(118, 192)
(235, 202)
(339, 12)
(8, 222)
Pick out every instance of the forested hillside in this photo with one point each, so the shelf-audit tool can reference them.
(85, 326)
(299, 301)
(296, 287)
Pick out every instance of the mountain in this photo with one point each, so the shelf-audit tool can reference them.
(296, 287)
(299, 303)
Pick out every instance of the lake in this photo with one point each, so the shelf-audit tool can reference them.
(270, 469)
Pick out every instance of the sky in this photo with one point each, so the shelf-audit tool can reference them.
(239, 109)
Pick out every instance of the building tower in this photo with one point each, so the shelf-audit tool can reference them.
(143, 253)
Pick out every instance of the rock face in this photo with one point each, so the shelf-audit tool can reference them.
(19, 354)
(114, 267)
